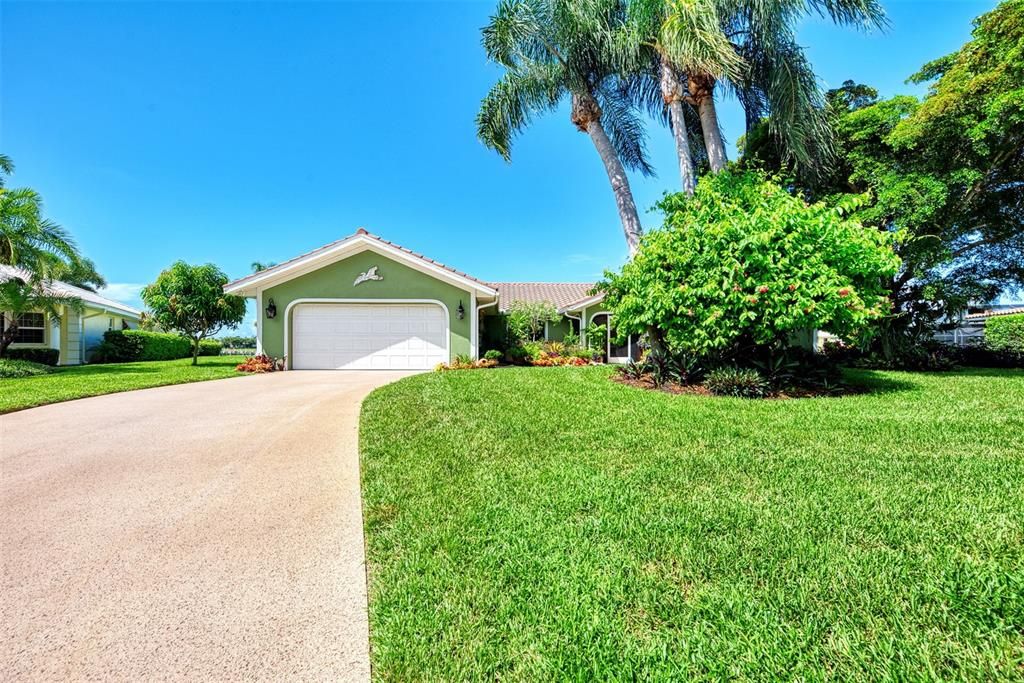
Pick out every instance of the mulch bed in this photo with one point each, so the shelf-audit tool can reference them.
(701, 390)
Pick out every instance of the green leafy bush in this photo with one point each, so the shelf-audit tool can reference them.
(743, 263)
(493, 354)
(35, 355)
(10, 368)
(738, 382)
(210, 347)
(525, 320)
(127, 346)
(1005, 333)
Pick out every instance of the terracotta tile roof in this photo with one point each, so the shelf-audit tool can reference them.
(557, 293)
(360, 231)
(1016, 310)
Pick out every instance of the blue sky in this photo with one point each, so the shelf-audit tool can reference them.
(233, 132)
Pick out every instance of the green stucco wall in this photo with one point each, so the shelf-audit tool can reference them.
(335, 282)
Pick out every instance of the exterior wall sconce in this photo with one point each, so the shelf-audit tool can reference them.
(460, 311)
(271, 309)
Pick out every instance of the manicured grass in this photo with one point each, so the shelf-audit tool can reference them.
(80, 381)
(548, 524)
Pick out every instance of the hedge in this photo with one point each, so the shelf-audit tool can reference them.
(1005, 333)
(210, 347)
(126, 346)
(35, 355)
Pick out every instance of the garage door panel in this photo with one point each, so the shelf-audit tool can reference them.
(368, 336)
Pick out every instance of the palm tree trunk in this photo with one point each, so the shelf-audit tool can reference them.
(702, 90)
(586, 114)
(672, 92)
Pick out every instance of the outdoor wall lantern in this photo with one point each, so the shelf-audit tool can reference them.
(460, 311)
(271, 309)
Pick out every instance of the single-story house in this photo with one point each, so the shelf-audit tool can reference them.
(364, 303)
(78, 331)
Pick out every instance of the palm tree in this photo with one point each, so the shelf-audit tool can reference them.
(20, 293)
(26, 238)
(551, 49)
(748, 47)
(682, 38)
(259, 266)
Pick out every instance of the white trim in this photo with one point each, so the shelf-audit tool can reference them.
(313, 300)
(546, 331)
(472, 326)
(259, 321)
(584, 303)
(344, 249)
(476, 318)
(608, 340)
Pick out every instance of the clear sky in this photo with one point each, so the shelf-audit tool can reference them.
(234, 132)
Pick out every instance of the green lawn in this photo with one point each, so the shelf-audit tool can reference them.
(92, 380)
(548, 524)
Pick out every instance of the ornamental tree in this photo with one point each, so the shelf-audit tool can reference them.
(526, 319)
(190, 300)
(743, 264)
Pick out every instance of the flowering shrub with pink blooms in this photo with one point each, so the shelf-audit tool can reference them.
(744, 264)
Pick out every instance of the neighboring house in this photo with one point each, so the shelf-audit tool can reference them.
(970, 328)
(363, 303)
(77, 332)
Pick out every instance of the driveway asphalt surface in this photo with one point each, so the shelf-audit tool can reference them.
(199, 531)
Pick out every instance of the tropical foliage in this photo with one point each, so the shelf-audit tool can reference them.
(1005, 333)
(943, 173)
(20, 295)
(190, 300)
(525, 320)
(744, 264)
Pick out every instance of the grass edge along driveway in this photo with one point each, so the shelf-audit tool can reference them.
(548, 524)
(81, 381)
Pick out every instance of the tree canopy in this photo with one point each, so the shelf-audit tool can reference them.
(744, 263)
(945, 174)
(191, 300)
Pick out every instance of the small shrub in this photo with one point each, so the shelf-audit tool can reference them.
(210, 347)
(631, 370)
(464, 362)
(1005, 333)
(260, 364)
(738, 382)
(984, 356)
(582, 353)
(35, 355)
(11, 368)
(493, 354)
(571, 339)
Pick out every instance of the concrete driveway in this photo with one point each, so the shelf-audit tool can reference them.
(201, 531)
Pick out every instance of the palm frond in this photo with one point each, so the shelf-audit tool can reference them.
(513, 101)
(625, 129)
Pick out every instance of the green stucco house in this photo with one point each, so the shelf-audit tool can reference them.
(364, 303)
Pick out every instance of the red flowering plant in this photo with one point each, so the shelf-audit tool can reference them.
(259, 364)
(744, 264)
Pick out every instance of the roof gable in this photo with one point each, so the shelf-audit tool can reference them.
(341, 249)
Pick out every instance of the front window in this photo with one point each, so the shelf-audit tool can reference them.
(31, 328)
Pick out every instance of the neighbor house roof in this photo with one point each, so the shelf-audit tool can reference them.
(91, 299)
(559, 294)
(324, 252)
(984, 315)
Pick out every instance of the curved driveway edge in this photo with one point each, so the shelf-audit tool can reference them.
(200, 531)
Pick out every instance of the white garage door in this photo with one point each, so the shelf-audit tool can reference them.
(369, 336)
